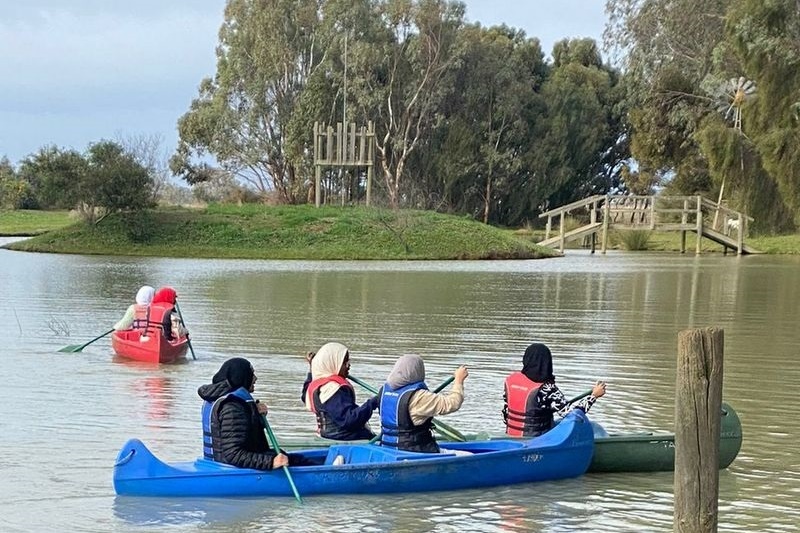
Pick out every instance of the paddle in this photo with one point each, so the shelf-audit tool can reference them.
(449, 431)
(78, 347)
(273, 442)
(580, 396)
(188, 340)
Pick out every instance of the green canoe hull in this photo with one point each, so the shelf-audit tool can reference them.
(655, 452)
(626, 452)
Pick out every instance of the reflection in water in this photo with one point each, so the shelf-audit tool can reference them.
(155, 390)
(613, 317)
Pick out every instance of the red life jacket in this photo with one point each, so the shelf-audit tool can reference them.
(521, 415)
(150, 317)
(325, 426)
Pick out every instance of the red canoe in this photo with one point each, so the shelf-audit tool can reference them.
(153, 349)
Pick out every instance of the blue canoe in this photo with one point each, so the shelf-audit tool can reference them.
(563, 452)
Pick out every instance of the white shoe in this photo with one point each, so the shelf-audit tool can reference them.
(338, 461)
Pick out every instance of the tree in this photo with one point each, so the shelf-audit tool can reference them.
(149, 152)
(679, 53)
(114, 181)
(54, 176)
(407, 80)
(246, 117)
(15, 193)
(487, 119)
(582, 142)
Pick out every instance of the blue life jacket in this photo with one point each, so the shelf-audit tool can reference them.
(210, 409)
(397, 429)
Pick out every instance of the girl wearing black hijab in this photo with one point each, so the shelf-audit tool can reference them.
(233, 431)
(532, 397)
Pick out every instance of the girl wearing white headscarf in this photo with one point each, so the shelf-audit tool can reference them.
(329, 395)
(408, 407)
(143, 298)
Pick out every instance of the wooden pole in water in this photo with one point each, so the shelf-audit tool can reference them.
(698, 403)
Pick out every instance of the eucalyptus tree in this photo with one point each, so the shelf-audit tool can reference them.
(480, 144)
(250, 117)
(668, 49)
(585, 139)
(404, 78)
(766, 38)
(679, 54)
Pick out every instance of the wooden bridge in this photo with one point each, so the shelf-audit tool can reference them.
(598, 214)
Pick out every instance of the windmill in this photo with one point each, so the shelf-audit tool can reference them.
(733, 94)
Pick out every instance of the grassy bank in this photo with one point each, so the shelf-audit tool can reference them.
(288, 232)
(19, 222)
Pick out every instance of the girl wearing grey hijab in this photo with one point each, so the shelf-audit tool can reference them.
(407, 406)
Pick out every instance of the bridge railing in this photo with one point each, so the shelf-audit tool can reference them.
(670, 213)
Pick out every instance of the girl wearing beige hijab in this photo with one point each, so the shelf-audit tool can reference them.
(329, 395)
(408, 407)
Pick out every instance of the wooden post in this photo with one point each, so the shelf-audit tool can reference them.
(684, 216)
(740, 234)
(698, 403)
(317, 180)
(370, 156)
(548, 227)
(606, 215)
(350, 157)
(329, 145)
(362, 138)
(652, 213)
(561, 232)
(699, 224)
(339, 144)
(317, 149)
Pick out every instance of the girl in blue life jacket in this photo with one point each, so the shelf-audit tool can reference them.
(407, 406)
(233, 432)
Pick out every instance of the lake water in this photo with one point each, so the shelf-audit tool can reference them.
(614, 317)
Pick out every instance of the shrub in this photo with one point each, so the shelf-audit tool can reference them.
(635, 239)
(139, 225)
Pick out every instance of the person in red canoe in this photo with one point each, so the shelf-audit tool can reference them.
(143, 298)
(532, 397)
(233, 431)
(328, 394)
(170, 322)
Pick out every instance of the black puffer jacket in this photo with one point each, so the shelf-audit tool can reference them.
(237, 433)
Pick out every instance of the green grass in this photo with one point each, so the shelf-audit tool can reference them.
(27, 222)
(289, 232)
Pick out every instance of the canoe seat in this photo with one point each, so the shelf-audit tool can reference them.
(370, 453)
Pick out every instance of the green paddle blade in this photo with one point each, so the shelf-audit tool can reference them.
(72, 348)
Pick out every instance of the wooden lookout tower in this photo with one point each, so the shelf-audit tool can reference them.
(343, 148)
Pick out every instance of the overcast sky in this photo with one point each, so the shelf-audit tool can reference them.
(73, 72)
